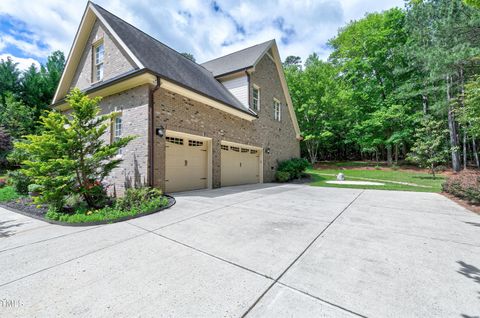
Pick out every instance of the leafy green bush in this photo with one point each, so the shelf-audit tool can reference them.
(34, 189)
(19, 181)
(464, 185)
(135, 201)
(295, 167)
(3, 182)
(8, 194)
(134, 197)
(282, 176)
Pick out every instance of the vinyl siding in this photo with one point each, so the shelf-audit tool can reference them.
(238, 86)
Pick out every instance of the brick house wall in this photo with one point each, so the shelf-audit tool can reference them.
(133, 106)
(116, 62)
(178, 113)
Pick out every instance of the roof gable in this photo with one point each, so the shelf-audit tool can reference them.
(76, 52)
(239, 60)
(168, 63)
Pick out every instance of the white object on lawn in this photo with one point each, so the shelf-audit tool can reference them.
(340, 177)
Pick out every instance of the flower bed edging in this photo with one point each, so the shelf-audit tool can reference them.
(171, 202)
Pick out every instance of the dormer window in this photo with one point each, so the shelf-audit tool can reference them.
(256, 98)
(99, 51)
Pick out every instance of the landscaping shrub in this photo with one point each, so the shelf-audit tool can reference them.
(294, 167)
(19, 181)
(134, 197)
(3, 182)
(464, 185)
(135, 201)
(282, 176)
(69, 156)
(8, 194)
(34, 189)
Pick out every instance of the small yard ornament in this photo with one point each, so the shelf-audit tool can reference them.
(340, 177)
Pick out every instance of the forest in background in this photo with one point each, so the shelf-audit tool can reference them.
(24, 97)
(400, 84)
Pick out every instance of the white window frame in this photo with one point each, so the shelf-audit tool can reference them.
(277, 110)
(98, 68)
(257, 88)
(117, 131)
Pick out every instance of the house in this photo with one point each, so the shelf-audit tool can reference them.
(228, 121)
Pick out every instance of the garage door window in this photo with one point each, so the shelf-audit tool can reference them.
(195, 143)
(173, 140)
(234, 149)
(224, 147)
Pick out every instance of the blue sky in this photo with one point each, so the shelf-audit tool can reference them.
(30, 30)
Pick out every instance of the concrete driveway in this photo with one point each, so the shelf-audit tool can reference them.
(257, 251)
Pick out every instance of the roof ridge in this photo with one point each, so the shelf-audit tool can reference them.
(247, 48)
(145, 33)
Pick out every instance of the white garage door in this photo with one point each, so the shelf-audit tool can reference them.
(240, 165)
(186, 166)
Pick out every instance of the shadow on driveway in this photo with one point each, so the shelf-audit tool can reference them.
(6, 227)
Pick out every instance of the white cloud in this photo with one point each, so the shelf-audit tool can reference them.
(23, 63)
(193, 26)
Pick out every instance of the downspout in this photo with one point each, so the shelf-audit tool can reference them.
(151, 123)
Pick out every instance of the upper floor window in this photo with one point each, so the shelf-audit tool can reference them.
(117, 131)
(99, 51)
(277, 111)
(256, 98)
(117, 128)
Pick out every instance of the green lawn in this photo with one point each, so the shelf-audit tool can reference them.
(419, 182)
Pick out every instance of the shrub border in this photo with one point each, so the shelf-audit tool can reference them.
(171, 202)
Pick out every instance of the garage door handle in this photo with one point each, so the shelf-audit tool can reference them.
(186, 163)
(240, 164)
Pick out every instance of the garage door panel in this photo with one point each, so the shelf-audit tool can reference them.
(239, 165)
(186, 164)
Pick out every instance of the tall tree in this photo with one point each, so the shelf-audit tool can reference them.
(9, 78)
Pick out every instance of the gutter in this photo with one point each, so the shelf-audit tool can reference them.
(151, 132)
(101, 85)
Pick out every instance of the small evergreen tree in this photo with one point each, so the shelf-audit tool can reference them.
(70, 156)
(429, 148)
(5, 145)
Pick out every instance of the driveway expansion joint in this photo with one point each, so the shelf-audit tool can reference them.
(300, 255)
(206, 253)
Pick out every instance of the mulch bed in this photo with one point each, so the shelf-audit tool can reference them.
(464, 203)
(26, 207)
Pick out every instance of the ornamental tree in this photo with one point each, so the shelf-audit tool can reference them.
(69, 156)
(429, 148)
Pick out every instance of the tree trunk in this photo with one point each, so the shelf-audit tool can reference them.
(464, 149)
(475, 153)
(432, 168)
(425, 104)
(396, 154)
(452, 130)
(389, 155)
(312, 149)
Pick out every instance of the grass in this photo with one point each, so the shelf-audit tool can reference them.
(418, 182)
(8, 193)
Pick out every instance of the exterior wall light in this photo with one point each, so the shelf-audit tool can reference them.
(267, 150)
(160, 131)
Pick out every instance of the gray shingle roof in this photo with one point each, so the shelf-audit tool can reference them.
(168, 63)
(237, 60)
